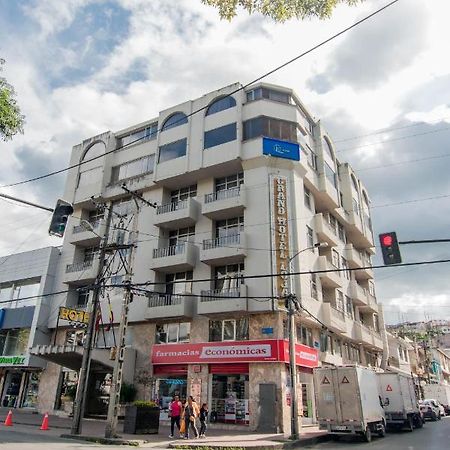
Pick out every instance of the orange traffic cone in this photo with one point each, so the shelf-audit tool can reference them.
(8, 420)
(44, 425)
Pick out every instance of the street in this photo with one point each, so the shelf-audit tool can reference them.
(433, 436)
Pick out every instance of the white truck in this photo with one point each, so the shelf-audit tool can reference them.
(440, 392)
(399, 401)
(347, 401)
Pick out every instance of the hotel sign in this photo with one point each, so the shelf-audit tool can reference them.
(74, 315)
(281, 149)
(280, 236)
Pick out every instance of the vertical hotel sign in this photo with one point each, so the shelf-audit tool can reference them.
(280, 236)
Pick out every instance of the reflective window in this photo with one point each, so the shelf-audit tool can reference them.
(91, 170)
(220, 105)
(228, 330)
(169, 333)
(94, 151)
(327, 145)
(228, 277)
(229, 227)
(220, 135)
(331, 176)
(138, 136)
(183, 193)
(133, 168)
(229, 182)
(270, 127)
(307, 197)
(178, 283)
(173, 150)
(309, 237)
(174, 120)
(269, 94)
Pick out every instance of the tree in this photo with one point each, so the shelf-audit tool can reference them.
(279, 10)
(11, 120)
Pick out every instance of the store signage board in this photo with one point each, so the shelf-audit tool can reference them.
(267, 330)
(269, 350)
(13, 361)
(74, 315)
(281, 149)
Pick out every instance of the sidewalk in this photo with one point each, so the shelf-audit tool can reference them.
(93, 430)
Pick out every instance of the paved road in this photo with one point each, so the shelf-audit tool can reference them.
(433, 436)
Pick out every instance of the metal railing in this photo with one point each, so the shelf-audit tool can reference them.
(223, 241)
(156, 300)
(222, 195)
(80, 228)
(173, 206)
(78, 266)
(219, 294)
(338, 312)
(173, 250)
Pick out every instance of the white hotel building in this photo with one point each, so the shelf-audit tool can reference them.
(242, 186)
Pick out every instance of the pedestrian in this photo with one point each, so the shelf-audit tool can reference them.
(203, 418)
(191, 412)
(175, 414)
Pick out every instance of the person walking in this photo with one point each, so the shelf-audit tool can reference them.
(191, 412)
(175, 414)
(203, 418)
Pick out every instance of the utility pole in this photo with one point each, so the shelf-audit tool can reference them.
(83, 376)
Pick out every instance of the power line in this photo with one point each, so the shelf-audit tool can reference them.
(270, 72)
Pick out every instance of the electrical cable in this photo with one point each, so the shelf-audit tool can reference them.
(270, 72)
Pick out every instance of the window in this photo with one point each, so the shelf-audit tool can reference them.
(229, 182)
(178, 283)
(331, 176)
(314, 293)
(172, 333)
(344, 265)
(228, 330)
(312, 158)
(173, 150)
(14, 342)
(228, 277)
(133, 168)
(327, 146)
(332, 222)
(229, 227)
(270, 127)
(89, 254)
(89, 176)
(183, 193)
(341, 232)
(349, 307)
(309, 237)
(221, 104)
(139, 136)
(307, 197)
(340, 301)
(335, 258)
(83, 297)
(355, 206)
(305, 336)
(268, 94)
(180, 236)
(354, 182)
(91, 170)
(220, 135)
(337, 346)
(174, 120)
(371, 288)
(95, 216)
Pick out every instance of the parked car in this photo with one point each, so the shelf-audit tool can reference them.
(430, 409)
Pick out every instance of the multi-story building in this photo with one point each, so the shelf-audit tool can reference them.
(246, 185)
(26, 280)
(399, 359)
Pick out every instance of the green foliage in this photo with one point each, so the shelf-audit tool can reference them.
(144, 404)
(279, 10)
(127, 393)
(11, 120)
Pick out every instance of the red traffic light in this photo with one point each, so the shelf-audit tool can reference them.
(386, 240)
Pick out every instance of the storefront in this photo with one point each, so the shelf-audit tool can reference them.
(218, 373)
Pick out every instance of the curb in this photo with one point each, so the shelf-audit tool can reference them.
(15, 422)
(105, 441)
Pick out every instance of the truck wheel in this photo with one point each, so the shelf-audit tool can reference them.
(410, 424)
(439, 416)
(367, 435)
(382, 430)
(418, 421)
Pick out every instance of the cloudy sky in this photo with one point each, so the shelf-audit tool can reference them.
(81, 67)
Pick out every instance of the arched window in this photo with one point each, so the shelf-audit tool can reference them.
(354, 182)
(328, 147)
(365, 200)
(94, 150)
(174, 120)
(220, 105)
(90, 171)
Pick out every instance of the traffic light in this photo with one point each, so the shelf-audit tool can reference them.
(61, 213)
(390, 249)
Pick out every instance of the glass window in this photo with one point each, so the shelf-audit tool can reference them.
(179, 282)
(95, 151)
(312, 158)
(335, 258)
(183, 193)
(270, 127)
(307, 197)
(174, 120)
(349, 306)
(355, 206)
(138, 136)
(229, 182)
(228, 277)
(228, 330)
(354, 182)
(305, 336)
(327, 145)
(341, 232)
(89, 176)
(173, 150)
(133, 168)
(269, 94)
(22, 290)
(170, 333)
(331, 176)
(83, 297)
(90, 253)
(220, 135)
(314, 286)
(14, 342)
(229, 227)
(344, 265)
(220, 105)
(339, 301)
(180, 236)
(309, 237)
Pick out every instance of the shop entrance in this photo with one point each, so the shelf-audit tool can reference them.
(31, 391)
(11, 389)
(229, 393)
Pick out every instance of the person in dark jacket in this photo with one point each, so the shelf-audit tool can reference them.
(203, 419)
(191, 412)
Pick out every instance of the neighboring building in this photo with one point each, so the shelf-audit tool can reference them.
(23, 323)
(241, 187)
(399, 359)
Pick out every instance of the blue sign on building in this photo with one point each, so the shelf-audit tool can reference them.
(2, 316)
(281, 149)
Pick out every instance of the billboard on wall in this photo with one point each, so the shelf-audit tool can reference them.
(281, 149)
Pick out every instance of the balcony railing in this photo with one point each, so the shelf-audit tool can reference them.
(221, 195)
(173, 206)
(219, 294)
(173, 250)
(156, 300)
(81, 228)
(338, 312)
(78, 266)
(222, 241)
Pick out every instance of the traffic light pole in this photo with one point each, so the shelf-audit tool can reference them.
(83, 375)
(293, 366)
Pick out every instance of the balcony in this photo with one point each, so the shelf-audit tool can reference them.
(362, 298)
(325, 232)
(352, 256)
(224, 249)
(327, 196)
(330, 279)
(81, 272)
(219, 301)
(356, 231)
(177, 214)
(175, 258)
(333, 318)
(170, 306)
(222, 204)
(367, 336)
(87, 238)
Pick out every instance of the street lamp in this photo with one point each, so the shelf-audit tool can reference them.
(292, 307)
